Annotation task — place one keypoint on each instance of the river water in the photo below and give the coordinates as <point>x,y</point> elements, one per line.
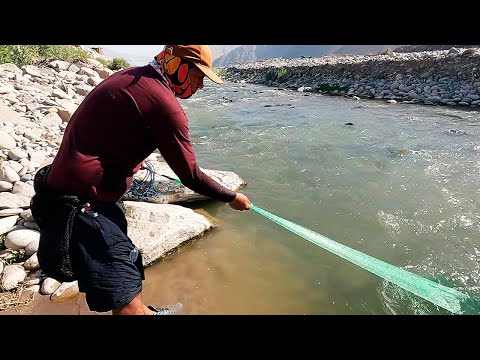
<point>401,184</point>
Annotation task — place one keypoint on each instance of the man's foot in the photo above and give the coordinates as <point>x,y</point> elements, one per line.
<point>165,310</point>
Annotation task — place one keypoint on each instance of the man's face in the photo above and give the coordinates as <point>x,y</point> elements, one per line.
<point>196,79</point>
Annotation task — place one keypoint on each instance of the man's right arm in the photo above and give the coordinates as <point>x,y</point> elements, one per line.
<point>171,134</point>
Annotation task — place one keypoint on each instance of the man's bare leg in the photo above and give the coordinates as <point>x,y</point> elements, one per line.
<point>134,307</point>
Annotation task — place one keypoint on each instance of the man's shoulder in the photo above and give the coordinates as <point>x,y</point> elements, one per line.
<point>135,74</point>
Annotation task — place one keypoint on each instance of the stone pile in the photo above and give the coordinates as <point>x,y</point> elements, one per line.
<point>442,77</point>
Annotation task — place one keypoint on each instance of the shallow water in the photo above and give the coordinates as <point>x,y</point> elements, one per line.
<point>400,184</point>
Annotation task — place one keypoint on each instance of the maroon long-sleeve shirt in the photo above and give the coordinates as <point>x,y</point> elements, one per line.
<point>119,123</point>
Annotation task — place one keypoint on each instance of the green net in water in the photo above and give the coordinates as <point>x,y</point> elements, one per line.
<point>445,297</point>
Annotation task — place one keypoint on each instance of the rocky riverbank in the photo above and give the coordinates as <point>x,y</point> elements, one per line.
<point>444,77</point>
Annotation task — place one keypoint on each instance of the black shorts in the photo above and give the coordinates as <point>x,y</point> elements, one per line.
<point>105,261</point>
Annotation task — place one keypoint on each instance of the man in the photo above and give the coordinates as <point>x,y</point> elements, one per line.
<point>77,202</point>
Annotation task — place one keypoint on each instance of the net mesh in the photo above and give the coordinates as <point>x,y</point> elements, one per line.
<point>440,295</point>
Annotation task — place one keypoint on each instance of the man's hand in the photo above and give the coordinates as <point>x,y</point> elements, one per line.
<point>240,202</point>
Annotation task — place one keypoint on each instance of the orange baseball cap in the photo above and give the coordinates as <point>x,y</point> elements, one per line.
<point>200,55</point>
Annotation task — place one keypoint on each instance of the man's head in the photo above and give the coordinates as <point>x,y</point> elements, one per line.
<point>185,67</point>
<point>200,55</point>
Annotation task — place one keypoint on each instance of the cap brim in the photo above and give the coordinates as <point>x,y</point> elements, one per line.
<point>209,73</point>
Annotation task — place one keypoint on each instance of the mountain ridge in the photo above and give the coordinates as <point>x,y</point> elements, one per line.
<point>247,53</point>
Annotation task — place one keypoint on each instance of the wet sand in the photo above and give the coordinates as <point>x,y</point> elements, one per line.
<point>42,305</point>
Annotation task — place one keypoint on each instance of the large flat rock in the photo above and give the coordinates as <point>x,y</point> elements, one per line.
<point>157,229</point>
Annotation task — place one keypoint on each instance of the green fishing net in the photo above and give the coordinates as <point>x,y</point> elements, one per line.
<point>440,295</point>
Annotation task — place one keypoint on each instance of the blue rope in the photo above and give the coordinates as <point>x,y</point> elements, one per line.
<point>147,189</point>
<point>143,187</point>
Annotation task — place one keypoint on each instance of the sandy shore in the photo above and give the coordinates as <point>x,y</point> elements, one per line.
<point>41,305</point>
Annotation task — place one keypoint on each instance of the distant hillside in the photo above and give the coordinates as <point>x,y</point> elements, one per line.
<point>220,50</point>
<point>363,49</point>
<point>418,48</point>
<point>247,53</point>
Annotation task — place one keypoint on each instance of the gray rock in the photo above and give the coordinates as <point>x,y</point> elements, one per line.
<point>7,141</point>
<point>7,114</point>
<point>66,291</point>
<point>7,223</point>
<point>158,228</point>
<point>49,285</point>
<point>9,200</point>
<point>19,239</point>
<point>11,276</point>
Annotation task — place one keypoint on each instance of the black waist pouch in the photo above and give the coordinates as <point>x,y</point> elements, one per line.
<point>55,215</point>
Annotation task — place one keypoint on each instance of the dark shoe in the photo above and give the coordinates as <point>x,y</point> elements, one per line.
<point>165,310</point>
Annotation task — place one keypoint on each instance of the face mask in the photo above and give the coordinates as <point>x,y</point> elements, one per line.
<point>176,71</point>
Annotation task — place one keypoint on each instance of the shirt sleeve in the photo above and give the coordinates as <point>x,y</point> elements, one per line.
<point>171,135</point>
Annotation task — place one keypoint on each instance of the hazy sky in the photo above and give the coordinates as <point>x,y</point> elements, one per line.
<point>145,50</point>
<point>135,54</point>
<point>143,54</point>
